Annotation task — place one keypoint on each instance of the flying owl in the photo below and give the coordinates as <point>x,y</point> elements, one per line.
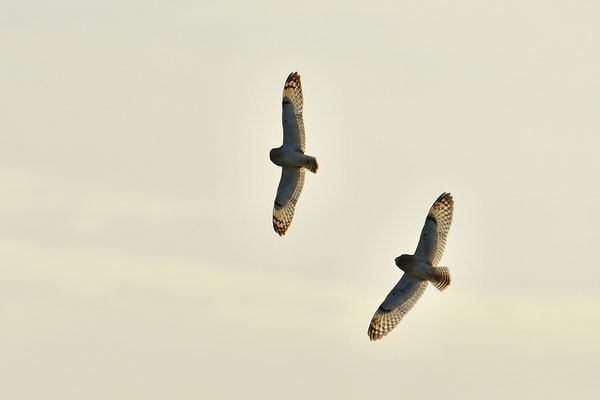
<point>290,156</point>
<point>418,269</point>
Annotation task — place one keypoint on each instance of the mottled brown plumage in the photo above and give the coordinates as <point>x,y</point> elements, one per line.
<point>290,156</point>
<point>420,268</point>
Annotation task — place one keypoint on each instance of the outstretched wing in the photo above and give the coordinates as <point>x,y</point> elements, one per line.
<point>293,124</point>
<point>288,192</point>
<point>433,236</point>
<point>395,306</point>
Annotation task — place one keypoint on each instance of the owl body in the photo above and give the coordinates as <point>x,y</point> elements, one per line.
<point>417,267</point>
<point>288,156</point>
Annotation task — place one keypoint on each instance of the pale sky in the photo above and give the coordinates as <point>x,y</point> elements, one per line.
<point>138,256</point>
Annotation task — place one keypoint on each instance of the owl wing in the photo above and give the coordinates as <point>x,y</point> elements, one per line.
<point>292,104</point>
<point>437,224</point>
<point>395,306</point>
<point>288,192</point>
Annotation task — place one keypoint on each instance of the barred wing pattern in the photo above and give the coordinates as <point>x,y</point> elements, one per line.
<point>401,299</point>
<point>292,104</point>
<point>288,192</point>
<point>433,236</point>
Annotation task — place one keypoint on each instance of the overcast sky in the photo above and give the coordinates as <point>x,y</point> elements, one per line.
<point>138,259</point>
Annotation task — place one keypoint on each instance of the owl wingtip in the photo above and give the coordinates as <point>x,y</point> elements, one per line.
<point>293,76</point>
<point>278,227</point>
<point>445,195</point>
<point>374,335</point>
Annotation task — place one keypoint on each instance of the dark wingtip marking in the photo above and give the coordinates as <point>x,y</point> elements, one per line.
<point>374,334</point>
<point>446,196</point>
<point>292,79</point>
<point>431,218</point>
<point>279,226</point>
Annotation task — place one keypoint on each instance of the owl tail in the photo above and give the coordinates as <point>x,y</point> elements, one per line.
<point>313,165</point>
<point>442,278</point>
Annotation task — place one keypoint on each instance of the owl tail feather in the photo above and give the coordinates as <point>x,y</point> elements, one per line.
<point>443,278</point>
<point>313,165</point>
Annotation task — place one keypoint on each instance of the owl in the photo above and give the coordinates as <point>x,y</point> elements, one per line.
<point>420,268</point>
<point>290,156</point>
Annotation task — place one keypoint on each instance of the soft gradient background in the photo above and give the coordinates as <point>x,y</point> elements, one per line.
<point>138,259</point>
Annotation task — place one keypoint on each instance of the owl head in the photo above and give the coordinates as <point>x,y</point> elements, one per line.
<point>276,155</point>
<point>402,261</point>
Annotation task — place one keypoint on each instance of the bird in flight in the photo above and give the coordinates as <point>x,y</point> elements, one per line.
<point>420,268</point>
<point>290,156</point>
